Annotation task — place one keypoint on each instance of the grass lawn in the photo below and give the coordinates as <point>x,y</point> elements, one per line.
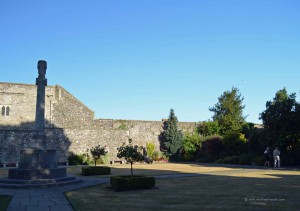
<point>4,201</point>
<point>216,187</point>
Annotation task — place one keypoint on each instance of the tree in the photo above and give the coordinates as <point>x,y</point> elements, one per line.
<point>228,112</point>
<point>209,128</point>
<point>281,121</point>
<point>130,153</point>
<point>97,152</point>
<point>172,137</point>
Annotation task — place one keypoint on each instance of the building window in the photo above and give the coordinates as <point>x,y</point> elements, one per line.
<point>5,111</point>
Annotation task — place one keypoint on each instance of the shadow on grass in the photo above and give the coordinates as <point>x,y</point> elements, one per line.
<point>206,187</point>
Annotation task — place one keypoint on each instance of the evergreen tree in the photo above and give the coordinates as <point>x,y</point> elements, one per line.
<point>172,137</point>
<point>228,112</point>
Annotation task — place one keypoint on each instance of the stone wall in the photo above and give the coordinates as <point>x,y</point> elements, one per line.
<point>21,100</point>
<point>80,141</point>
<point>70,125</point>
<point>69,112</point>
<point>13,140</point>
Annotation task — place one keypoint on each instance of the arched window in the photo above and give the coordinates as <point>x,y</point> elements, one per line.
<point>3,110</point>
<point>7,110</point>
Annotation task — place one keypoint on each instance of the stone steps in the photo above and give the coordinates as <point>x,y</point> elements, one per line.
<point>38,183</point>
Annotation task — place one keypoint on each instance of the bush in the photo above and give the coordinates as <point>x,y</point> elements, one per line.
<point>208,128</point>
<point>235,143</point>
<point>150,149</point>
<point>228,160</point>
<point>74,159</point>
<point>213,148</point>
<point>131,182</point>
<point>95,170</point>
<point>191,142</point>
<point>245,159</point>
<point>259,161</point>
<point>156,156</point>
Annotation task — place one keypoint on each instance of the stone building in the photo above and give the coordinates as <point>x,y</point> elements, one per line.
<point>70,126</point>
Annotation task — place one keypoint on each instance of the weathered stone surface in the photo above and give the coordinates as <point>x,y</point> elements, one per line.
<point>69,126</point>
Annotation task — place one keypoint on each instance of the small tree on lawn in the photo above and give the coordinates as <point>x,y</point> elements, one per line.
<point>130,153</point>
<point>97,152</point>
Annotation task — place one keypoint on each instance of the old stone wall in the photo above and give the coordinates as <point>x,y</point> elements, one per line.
<point>20,99</point>
<point>62,110</point>
<point>70,125</point>
<point>13,140</point>
<point>69,112</point>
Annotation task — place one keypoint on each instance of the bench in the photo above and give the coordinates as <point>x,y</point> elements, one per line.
<point>5,165</point>
<point>117,161</point>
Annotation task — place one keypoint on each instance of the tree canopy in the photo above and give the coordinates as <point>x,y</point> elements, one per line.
<point>130,153</point>
<point>97,152</point>
<point>228,112</point>
<point>281,118</point>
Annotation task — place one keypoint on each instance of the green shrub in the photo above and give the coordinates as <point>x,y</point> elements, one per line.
<point>131,182</point>
<point>150,148</point>
<point>95,170</point>
<point>245,159</point>
<point>235,143</point>
<point>156,156</point>
<point>259,161</point>
<point>213,148</point>
<point>104,159</point>
<point>231,160</point>
<point>191,142</point>
<point>74,159</point>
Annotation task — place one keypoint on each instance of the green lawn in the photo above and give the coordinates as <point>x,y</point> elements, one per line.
<point>214,188</point>
<point>4,201</point>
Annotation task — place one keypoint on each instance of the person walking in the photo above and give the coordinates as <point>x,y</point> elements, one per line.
<point>267,156</point>
<point>276,154</point>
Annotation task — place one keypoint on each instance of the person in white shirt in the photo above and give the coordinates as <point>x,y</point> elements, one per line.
<point>276,154</point>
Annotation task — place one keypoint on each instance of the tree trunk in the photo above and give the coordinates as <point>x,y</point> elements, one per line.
<point>131,169</point>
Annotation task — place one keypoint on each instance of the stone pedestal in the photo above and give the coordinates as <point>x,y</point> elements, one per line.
<point>37,164</point>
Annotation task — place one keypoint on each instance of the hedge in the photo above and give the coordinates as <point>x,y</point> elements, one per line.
<point>131,182</point>
<point>95,170</point>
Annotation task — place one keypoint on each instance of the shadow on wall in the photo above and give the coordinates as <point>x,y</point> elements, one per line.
<point>14,138</point>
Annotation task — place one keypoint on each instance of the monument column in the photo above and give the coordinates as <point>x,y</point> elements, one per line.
<point>38,164</point>
<point>41,82</point>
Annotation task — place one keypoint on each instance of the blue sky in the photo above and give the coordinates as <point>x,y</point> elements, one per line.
<point>133,59</point>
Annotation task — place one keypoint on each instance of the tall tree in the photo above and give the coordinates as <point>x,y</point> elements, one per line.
<point>281,119</point>
<point>172,137</point>
<point>228,112</point>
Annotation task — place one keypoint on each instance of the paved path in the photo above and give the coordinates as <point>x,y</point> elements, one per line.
<point>45,199</point>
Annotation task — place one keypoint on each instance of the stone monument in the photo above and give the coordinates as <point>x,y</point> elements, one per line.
<point>38,165</point>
